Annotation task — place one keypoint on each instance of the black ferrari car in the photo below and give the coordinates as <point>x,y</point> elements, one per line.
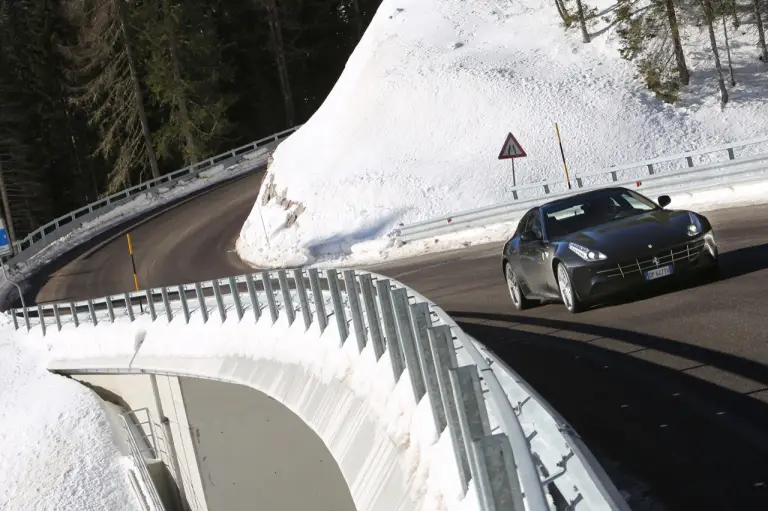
<point>585,248</point>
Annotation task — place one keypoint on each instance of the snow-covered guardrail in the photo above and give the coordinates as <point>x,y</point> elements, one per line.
<point>63,225</point>
<point>508,449</point>
<point>686,173</point>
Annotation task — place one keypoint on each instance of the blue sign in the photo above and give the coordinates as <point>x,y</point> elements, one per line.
<point>5,244</point>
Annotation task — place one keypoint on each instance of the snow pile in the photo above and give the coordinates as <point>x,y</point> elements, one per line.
<point>56,439</point>
<point>415,123</point>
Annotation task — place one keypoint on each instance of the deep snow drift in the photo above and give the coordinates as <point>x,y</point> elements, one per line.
<point>415,123</point>
<point>56,445</point>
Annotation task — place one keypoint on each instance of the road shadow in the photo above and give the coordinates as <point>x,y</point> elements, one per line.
<point>694,444</point>
<point>340,244</point>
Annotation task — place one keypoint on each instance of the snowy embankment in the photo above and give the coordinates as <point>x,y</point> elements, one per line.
<point>414,125</point>
<point>57,445</point>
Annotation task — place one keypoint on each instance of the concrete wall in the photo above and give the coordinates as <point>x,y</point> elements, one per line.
<point>133,392</point>
<point>372,465</point>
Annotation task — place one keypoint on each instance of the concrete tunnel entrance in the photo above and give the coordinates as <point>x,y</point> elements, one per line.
<point>255,453</point>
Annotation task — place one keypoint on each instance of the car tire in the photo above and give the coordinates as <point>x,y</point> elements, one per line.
<point>515,289</point>
<point>567,295</point>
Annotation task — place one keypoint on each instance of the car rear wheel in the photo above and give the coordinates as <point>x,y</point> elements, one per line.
<point>515,289</point>
<point>570,300</point>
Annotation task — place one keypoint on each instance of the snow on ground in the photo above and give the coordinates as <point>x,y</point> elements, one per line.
<point>415,123</point>
<point>56,443</point>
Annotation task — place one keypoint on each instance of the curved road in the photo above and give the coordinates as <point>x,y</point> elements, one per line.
<point>669,390</point>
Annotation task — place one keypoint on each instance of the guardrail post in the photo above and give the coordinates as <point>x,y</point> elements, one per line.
<point>614,176</point>
<point>498,487</point>
<point>92,312</point>
<point>201,301</point>
<point>166,304</point>
<point>254,297</point>
<point>219,300</point>
<point>233,291</point>
<point>41,317</point>
<point>129,307</point>
<point>151,305</point>
<point>546,189</point>
<point>350,283</point>
<point>689,160</point>
<point>266,279</point>
<point>441,344</point>
<point>372,313</point>
<point>338,306</point>
<point>421,321</point>
<point>473,415</point>
<point>579,183</point>
<point>286,292</point>
<point>110,309</point>
<point>73,310</point>
<point>731,156</point>
<point>301,290</point>
<point>57,316</point>
<point>26,318</point>
<point>650,169</point>
<point>317,297</point>
<point>405,329</point>
<point>390,331</point>
<point>184,304</point>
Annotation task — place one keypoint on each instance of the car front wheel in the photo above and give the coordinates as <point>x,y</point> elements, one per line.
<point>567,294</point>
<point>515,289</point>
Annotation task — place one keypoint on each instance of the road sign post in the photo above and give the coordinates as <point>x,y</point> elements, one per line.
<point>562,155</point>
<point>511,150</point>
<point>6,249</point>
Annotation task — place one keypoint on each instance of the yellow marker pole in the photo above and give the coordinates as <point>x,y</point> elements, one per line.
<point>562,155</point>
<point>133,264</point>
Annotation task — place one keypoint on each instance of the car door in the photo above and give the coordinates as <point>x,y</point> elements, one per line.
<point>533,257</point>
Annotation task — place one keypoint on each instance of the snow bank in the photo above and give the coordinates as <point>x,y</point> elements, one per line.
<point>56,441</point>
<point>415,123</point>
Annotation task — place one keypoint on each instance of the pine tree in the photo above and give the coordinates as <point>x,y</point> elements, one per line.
<point>184,73</point>
<point>709,19</point>
<point>105,60</point>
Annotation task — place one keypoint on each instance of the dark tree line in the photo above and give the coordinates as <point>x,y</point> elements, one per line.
<point>98,95</point>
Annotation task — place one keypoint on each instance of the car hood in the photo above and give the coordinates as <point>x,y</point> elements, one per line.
<point>636,235</point>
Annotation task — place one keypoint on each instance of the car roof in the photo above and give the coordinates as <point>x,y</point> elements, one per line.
<point>583,196</point>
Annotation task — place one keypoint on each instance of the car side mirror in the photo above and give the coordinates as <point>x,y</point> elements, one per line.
<point>664,201</point>
<point>529,236</point>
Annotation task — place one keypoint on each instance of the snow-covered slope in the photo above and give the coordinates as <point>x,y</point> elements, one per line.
<point>56,444</point>
<point>416,121</point>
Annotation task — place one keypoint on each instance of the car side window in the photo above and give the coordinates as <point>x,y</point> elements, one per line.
<point>523,224</point>
<point>534,224</point>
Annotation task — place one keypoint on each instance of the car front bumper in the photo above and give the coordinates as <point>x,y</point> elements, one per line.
<point>594,282</point>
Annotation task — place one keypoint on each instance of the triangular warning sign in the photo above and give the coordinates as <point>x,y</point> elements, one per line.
<point>512,149</point>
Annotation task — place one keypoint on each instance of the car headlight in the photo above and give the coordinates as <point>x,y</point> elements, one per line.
<point>694,228</point>
<point>585,253</point>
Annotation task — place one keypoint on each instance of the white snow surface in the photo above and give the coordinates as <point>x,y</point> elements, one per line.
<point>414,125</point>
<point>58,451</point>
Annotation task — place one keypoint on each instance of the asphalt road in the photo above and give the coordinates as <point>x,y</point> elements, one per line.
<point>670,389</point>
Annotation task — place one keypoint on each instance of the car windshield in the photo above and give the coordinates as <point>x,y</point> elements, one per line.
<point>587,211</point>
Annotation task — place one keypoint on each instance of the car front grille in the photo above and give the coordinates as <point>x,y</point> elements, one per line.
<point>679,253</point>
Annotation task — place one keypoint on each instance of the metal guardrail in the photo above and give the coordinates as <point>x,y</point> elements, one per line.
<point>686,172</point>
<point>144,486</point>
<point>421,342</point>
<point>65,224</point>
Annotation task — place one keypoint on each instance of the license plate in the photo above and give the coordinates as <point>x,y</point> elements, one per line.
<point>658,272</point>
